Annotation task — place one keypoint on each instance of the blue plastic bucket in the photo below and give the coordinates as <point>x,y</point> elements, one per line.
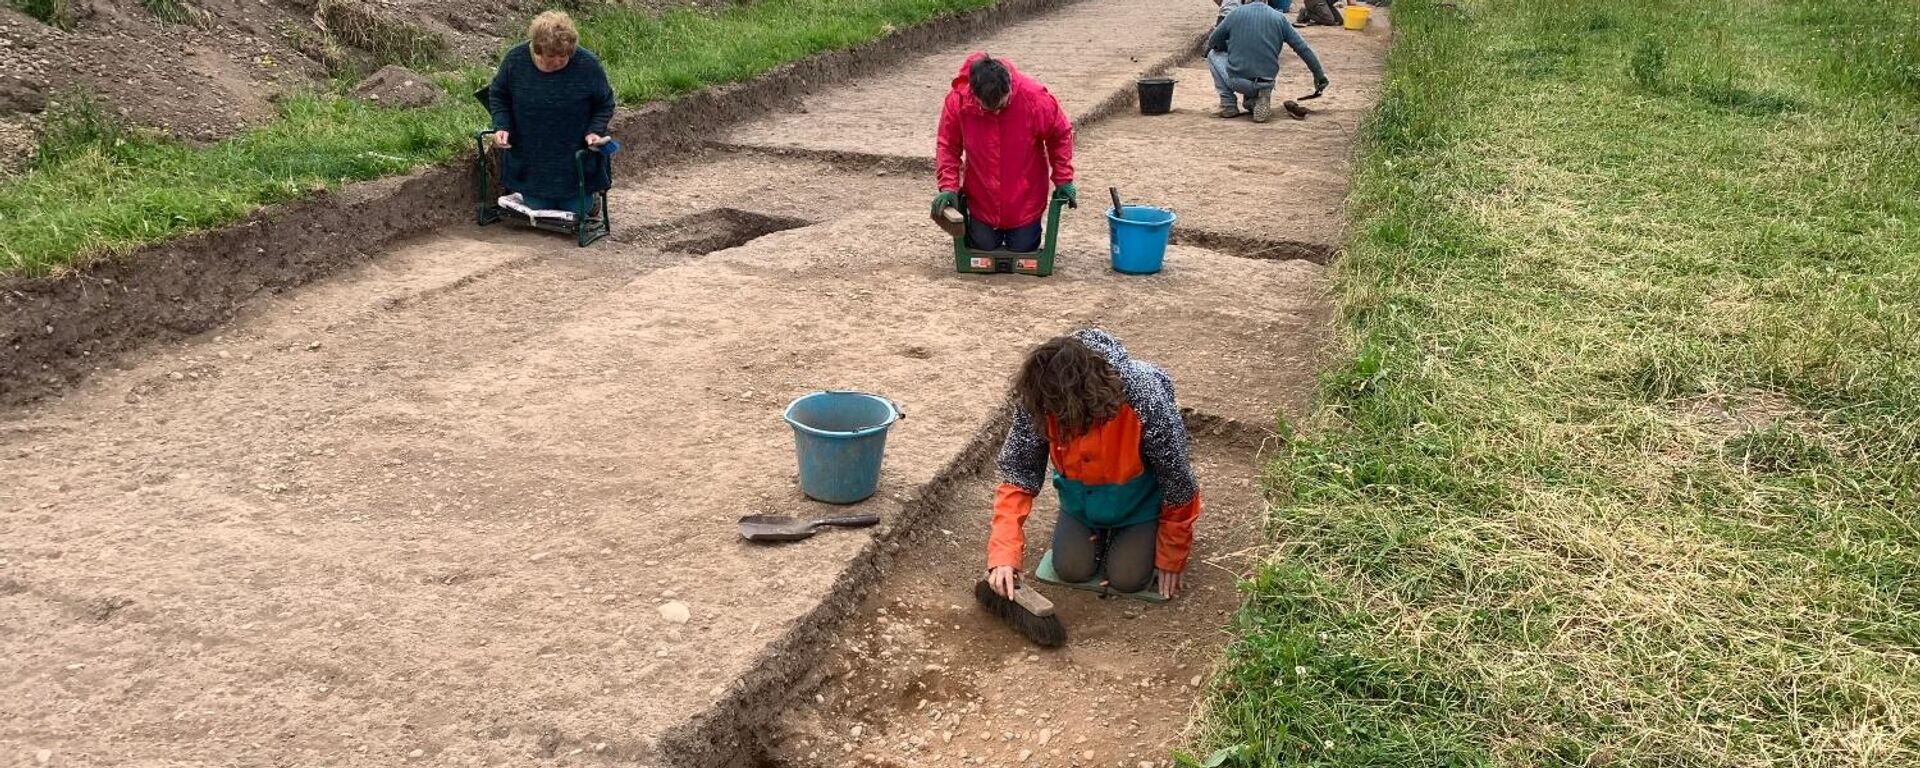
<point>840,438</point>
<point>1139,238</point>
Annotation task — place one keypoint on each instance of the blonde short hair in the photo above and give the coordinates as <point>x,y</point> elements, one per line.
<point>552,34</point>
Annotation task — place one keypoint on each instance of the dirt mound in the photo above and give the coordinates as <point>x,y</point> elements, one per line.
<point>397,86</point>
<point>22,98</point>
<point>202,69</point>
<point>19,95</point>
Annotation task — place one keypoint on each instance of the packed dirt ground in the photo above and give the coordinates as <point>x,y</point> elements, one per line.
<point>473,504</point>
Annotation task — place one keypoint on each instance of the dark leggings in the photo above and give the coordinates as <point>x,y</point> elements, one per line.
<point>1079,551</point>
<point>1017,240</point>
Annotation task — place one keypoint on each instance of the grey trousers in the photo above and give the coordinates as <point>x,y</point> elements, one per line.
<point>1127,553</point>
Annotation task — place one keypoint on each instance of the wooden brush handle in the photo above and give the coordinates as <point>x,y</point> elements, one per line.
<point>1035,603</point>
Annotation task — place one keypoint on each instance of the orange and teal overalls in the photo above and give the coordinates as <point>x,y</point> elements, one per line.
<point>1126,471</point>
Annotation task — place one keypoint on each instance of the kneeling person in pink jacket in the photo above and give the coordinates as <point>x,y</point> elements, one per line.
<point>1003,143</point>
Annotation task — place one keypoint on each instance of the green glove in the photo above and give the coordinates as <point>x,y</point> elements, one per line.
<point>947,198</point>
<point>1320,84</point>
<point>1067,193</point>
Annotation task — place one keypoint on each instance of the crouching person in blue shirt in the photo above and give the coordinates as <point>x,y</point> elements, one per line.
<point>1244,54</point>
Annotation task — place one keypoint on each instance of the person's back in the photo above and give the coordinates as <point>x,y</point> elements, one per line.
<point>1254,33</point>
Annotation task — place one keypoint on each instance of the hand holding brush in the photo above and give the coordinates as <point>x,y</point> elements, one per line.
<point>1027,611</point>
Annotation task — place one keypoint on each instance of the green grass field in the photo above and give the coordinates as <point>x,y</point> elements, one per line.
<point>97,188</point>
<point>1622,464</point>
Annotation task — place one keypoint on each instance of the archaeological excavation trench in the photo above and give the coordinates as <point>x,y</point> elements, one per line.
<point>919,678</point>
<point>426,510</point>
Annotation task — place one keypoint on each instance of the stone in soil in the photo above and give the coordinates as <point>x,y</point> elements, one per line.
<point>397,86</point>
<point>20,95</point>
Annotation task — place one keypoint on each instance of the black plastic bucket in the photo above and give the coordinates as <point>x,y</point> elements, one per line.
<point>1156,95</point>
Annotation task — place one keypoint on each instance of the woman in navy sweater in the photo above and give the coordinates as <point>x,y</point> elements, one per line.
<point>549,99</point>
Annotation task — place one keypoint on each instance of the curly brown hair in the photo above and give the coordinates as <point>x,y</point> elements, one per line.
<point>1075,385</point>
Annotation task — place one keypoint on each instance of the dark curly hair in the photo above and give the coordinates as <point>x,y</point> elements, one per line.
<point>1075,385</point>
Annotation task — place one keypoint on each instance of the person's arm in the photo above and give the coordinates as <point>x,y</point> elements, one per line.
<point>602,101</point>
<point>947,145</point>
<point>1292,38</point>
<point>500,97</point>
<point>1023,469</point>
<point>1164,450</point>
<point>1218,40</point>
<point>1058,136</point>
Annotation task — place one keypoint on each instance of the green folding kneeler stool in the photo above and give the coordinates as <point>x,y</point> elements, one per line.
<point>586,227</point>
<point>1047,574</point>
<point>1037,263</point>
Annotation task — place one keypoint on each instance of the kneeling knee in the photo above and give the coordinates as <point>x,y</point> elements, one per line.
<point>1122,579</point>
<point>1076,569</point>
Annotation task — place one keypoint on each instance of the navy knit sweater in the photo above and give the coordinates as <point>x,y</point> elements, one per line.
<point>547,116</point>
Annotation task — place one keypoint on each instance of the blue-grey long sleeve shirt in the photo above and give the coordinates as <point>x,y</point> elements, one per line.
<point>1252,35</point>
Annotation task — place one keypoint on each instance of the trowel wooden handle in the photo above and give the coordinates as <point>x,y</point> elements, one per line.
<point>952,214</point>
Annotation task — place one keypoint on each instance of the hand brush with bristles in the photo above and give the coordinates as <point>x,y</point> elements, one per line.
<point>1029,613</point>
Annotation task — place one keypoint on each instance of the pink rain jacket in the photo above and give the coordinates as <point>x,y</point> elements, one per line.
<point>1010,156</point>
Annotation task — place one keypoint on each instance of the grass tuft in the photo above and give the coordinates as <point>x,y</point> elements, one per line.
<point>1621,464</point>
<point>1649,64</point>
<point>53,13</point>
<point>388,40</point>
<point>169,11</point>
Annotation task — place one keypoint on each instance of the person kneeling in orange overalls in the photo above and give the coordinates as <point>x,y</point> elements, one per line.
<point>1110,428</point>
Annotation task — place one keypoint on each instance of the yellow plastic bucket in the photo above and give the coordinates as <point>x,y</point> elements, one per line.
<point>1355,16</point>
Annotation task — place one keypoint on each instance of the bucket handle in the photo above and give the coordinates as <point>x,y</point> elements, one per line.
<point>897,412</point>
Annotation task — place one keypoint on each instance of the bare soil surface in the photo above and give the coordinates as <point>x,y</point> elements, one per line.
<point>1085,55</point>
<point>1301,167</point>
<point>927,678</point>
<point>446,509</point>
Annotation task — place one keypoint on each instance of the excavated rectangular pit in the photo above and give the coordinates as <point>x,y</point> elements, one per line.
<point>716,229</point>
<point>923,677</point>
<point>1254,247</point>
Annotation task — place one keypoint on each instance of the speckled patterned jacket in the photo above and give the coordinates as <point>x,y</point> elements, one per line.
<point>1130,469</point>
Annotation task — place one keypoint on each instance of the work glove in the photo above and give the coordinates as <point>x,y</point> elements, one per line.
<point>1319,86</point>
<point>1069,194</point>
<point>946,198</point>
